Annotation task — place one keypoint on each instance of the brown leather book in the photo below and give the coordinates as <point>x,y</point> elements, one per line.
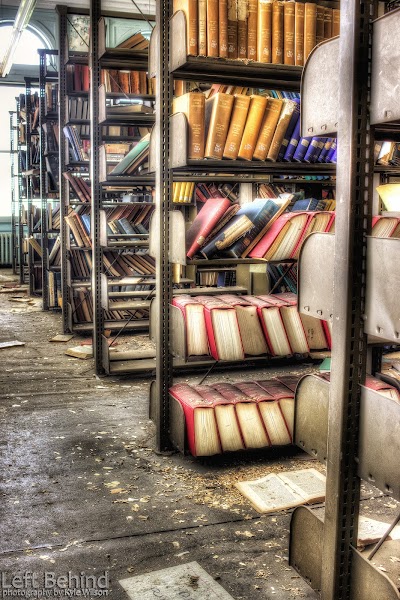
<point>179,88</point>
<point>193,106</point>
<point>142,82</point>
<point>252,127</point>
<point>114,80</point>
<point>218,112</point>
<point>320,28</point>
<point>310,28</point>
<point>242,28</point>
<point>124,81</point>
<point>288,32</point>
<point>202,28</point>
<point>281,127</point>
<point>299,34</point>
<point>232,29</point>
<point>135,82</point>
<point>268,126</point>
<point>252,30</point>
<point>335,22</point>
<point>277,32</point>
<point>190,8</point>
<point>212,28</point>
<point>236,128</point>
<point>223,28</point>
<point>264,31</point>
<point>327,23</point>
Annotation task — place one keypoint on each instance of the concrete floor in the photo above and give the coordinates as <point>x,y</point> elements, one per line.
<point>83,490</point>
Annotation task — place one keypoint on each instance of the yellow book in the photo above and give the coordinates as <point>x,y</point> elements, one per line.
<point>177,190</point>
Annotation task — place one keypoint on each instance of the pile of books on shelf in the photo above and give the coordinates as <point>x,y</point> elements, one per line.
<point>79,149</point>
<point>387,154</point>
<point>249,127</point>
<point>230,327</point>
<point>226,417</point>
<point>51,98</point>
<point>82,307</point>
<point>268,31</point>
<point>116,264</point>
<point>257,229</point>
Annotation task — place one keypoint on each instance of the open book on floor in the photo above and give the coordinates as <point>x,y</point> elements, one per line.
<point>280,491</point>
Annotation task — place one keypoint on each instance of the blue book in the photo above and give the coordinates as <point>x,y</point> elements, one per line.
<point>301,149</point>
<point>314,149</point>
<point>305,204</point>
<point>241,229</point>
<point>289,131</point>
<point>293,143</point>
<point>331,152</point>
<point>86,222</point>
<point>327,146</point>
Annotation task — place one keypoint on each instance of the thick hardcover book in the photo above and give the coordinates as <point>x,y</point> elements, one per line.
<point>192,105</point>
<point>324,152</point>
<point>218,111</point>
<point>242,28</point>
<point>201,426</point>
<point>196,332</point>
<point>266,211</point>
<point>327,23</point>
<point>299,34</point>
<point>335,22</point>
<point>252,128</point>
<point>268,127</point>
<point>277,32</point>
<point>233,28</point>
<point>293,143</point>
<point>289,107</point>
<point>310,28</point>
<point>320,25</point>
<point>133,158</point>
<point>223,28</point>
<point>279,430</point>
<point>253,340</point>
<point>190,8</point>
<point>315,332</point>
<point>222,329</point>
<point>236,128</point>
<point>281,240</point>
<point>314,149</point>
<point>272,324</point>
<point>252,30</point>
<point>208,216</point>
<point>293,324</point>
<point>301,149</point>
<point>212,28</point>
<point>237,227</point>
<point>202,28</point>
<point>264,31</point>
<point>289,131</point>
<point>288,32</point>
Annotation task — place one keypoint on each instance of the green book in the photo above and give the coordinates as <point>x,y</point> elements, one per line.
<point>132,156</point>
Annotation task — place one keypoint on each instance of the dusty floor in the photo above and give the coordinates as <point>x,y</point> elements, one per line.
<point>83,490</point>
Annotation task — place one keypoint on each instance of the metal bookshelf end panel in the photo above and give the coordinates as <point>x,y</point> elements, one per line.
<point>315,276</point>
<point>305,546</point>
<point>312,398</point>
<point>320,91</point>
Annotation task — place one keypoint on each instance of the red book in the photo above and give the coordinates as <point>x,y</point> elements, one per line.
<point>222,329</point>
<point>207,218</point>
<point>268,308</point>
<point>85,78</point>
<point>383,226</point>
<point>327,325</point>
<point>293,323</point>
<point>289,381</point>
<point>253,391</point>
<point>196,331</point>
<point>289,226</point>
<point>78,78</point>
<point>201,427</point>
<point>278,415</point>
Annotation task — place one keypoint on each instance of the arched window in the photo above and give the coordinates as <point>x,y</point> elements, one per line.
<point>30,41</point>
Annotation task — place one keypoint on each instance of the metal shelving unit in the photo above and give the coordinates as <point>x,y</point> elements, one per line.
<point>20,226</point>
<point>14,191</point>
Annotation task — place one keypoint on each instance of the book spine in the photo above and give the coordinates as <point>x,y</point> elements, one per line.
<point>331,152</point>
<point>252,30</point>
<point>232,29</point>
<point>281,128</point>
<point>288,32</point>
<point>293,143</point>
<point>301,149</point>
<point>236,127</point>
<point>299,34</point>
<point>320,25</point>
<point>264,31</point>
<point>252,128</point>
<point>242,28</point>
<point>212,28</point>
<point>314,149</point>
<point>335,22</point>
<point>268,126</point>
<point>277,32</point>
<point>192,26</point>
<point>202,28</point>
<point>223,28</point>
<point>325,150</point>
<point>310,28</point>
<point>327,23</point>
<point>289,132</point>
<point>261,220</point>
<point>219,124</point>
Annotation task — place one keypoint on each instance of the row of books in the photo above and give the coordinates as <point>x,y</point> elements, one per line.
<point>33,115</point>
<point>268,31</point>
<point>257,229</point>
<point>226,417</point>
<point>118,81</point>
<point>51,97</point>
<point>51,136</point>
<point>230,327</point>
<point>79,149</point>
<point>115,264</point>
<point>82,309</point>
<point>249,128</point>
